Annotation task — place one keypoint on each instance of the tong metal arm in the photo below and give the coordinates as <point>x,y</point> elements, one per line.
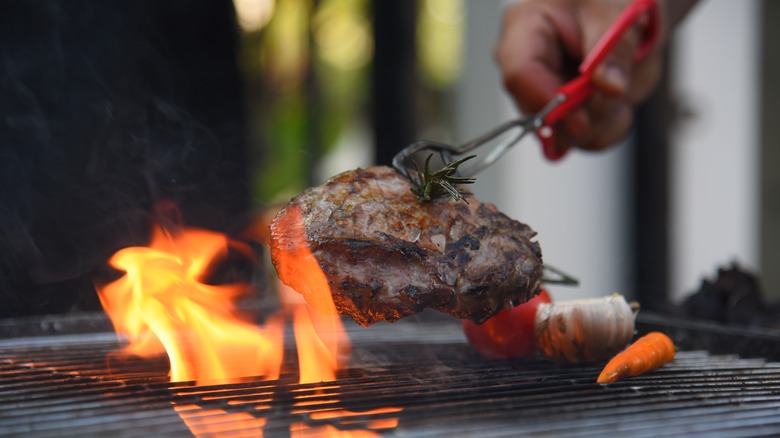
<point>404,161</point>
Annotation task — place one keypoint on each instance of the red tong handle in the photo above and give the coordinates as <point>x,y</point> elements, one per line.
<point>579,89</point>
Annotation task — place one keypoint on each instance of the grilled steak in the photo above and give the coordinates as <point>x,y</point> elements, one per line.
<point>386,254</point>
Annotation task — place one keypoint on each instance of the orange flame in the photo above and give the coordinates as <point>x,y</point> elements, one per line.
<point>319,333</point>
<point>216,422</point>
<point>162,305</point>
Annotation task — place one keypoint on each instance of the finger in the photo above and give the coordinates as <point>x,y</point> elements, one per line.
<point>611,118</point>
<point>573,130</point>
<point>536,41</point>
<point>644,77</point>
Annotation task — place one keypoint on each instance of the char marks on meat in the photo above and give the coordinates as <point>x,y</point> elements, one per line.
<point>386,254</point>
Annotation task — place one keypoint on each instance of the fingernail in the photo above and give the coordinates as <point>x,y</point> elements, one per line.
<point>615,78</point>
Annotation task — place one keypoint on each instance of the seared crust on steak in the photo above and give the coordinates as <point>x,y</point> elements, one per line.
<point>386,254</point>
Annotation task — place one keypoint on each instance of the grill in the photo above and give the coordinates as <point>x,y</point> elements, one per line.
<point>413,378</point>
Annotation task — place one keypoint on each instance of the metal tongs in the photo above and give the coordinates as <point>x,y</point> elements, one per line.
<point>568,97</point>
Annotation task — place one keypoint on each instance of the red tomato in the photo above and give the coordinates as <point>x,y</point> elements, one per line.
<point>509,334</point>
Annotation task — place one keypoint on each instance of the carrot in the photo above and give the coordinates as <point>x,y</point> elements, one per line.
<point>646,354</point>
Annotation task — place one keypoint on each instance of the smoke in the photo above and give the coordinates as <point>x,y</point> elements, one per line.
<point>105,109</point>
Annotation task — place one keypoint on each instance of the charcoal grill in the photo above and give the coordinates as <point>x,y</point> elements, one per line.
<point>65,382</point>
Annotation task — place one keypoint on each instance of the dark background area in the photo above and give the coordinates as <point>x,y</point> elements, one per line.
<point>108,108</point>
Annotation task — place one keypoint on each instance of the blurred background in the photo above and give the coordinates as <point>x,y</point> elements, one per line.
<point>347,83</point>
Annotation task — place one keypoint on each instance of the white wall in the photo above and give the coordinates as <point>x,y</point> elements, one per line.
<point>715,171</point>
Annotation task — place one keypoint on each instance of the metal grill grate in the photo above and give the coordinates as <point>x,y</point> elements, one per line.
<point>433,382</point>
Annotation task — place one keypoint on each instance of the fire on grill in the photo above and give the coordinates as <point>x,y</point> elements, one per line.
<point>162,304</point>
<point>361,245</point>
<point>364,240</point>
<point>414,377</point>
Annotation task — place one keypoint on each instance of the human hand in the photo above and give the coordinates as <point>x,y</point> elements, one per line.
<point>543,42</point>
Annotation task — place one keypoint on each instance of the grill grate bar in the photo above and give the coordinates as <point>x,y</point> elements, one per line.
<point>758,421</point>
<point>699,419</point>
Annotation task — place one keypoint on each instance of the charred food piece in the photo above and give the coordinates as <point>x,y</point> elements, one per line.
<point>386,254</point>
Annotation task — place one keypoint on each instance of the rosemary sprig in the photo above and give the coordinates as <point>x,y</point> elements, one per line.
<point>429,185</point>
